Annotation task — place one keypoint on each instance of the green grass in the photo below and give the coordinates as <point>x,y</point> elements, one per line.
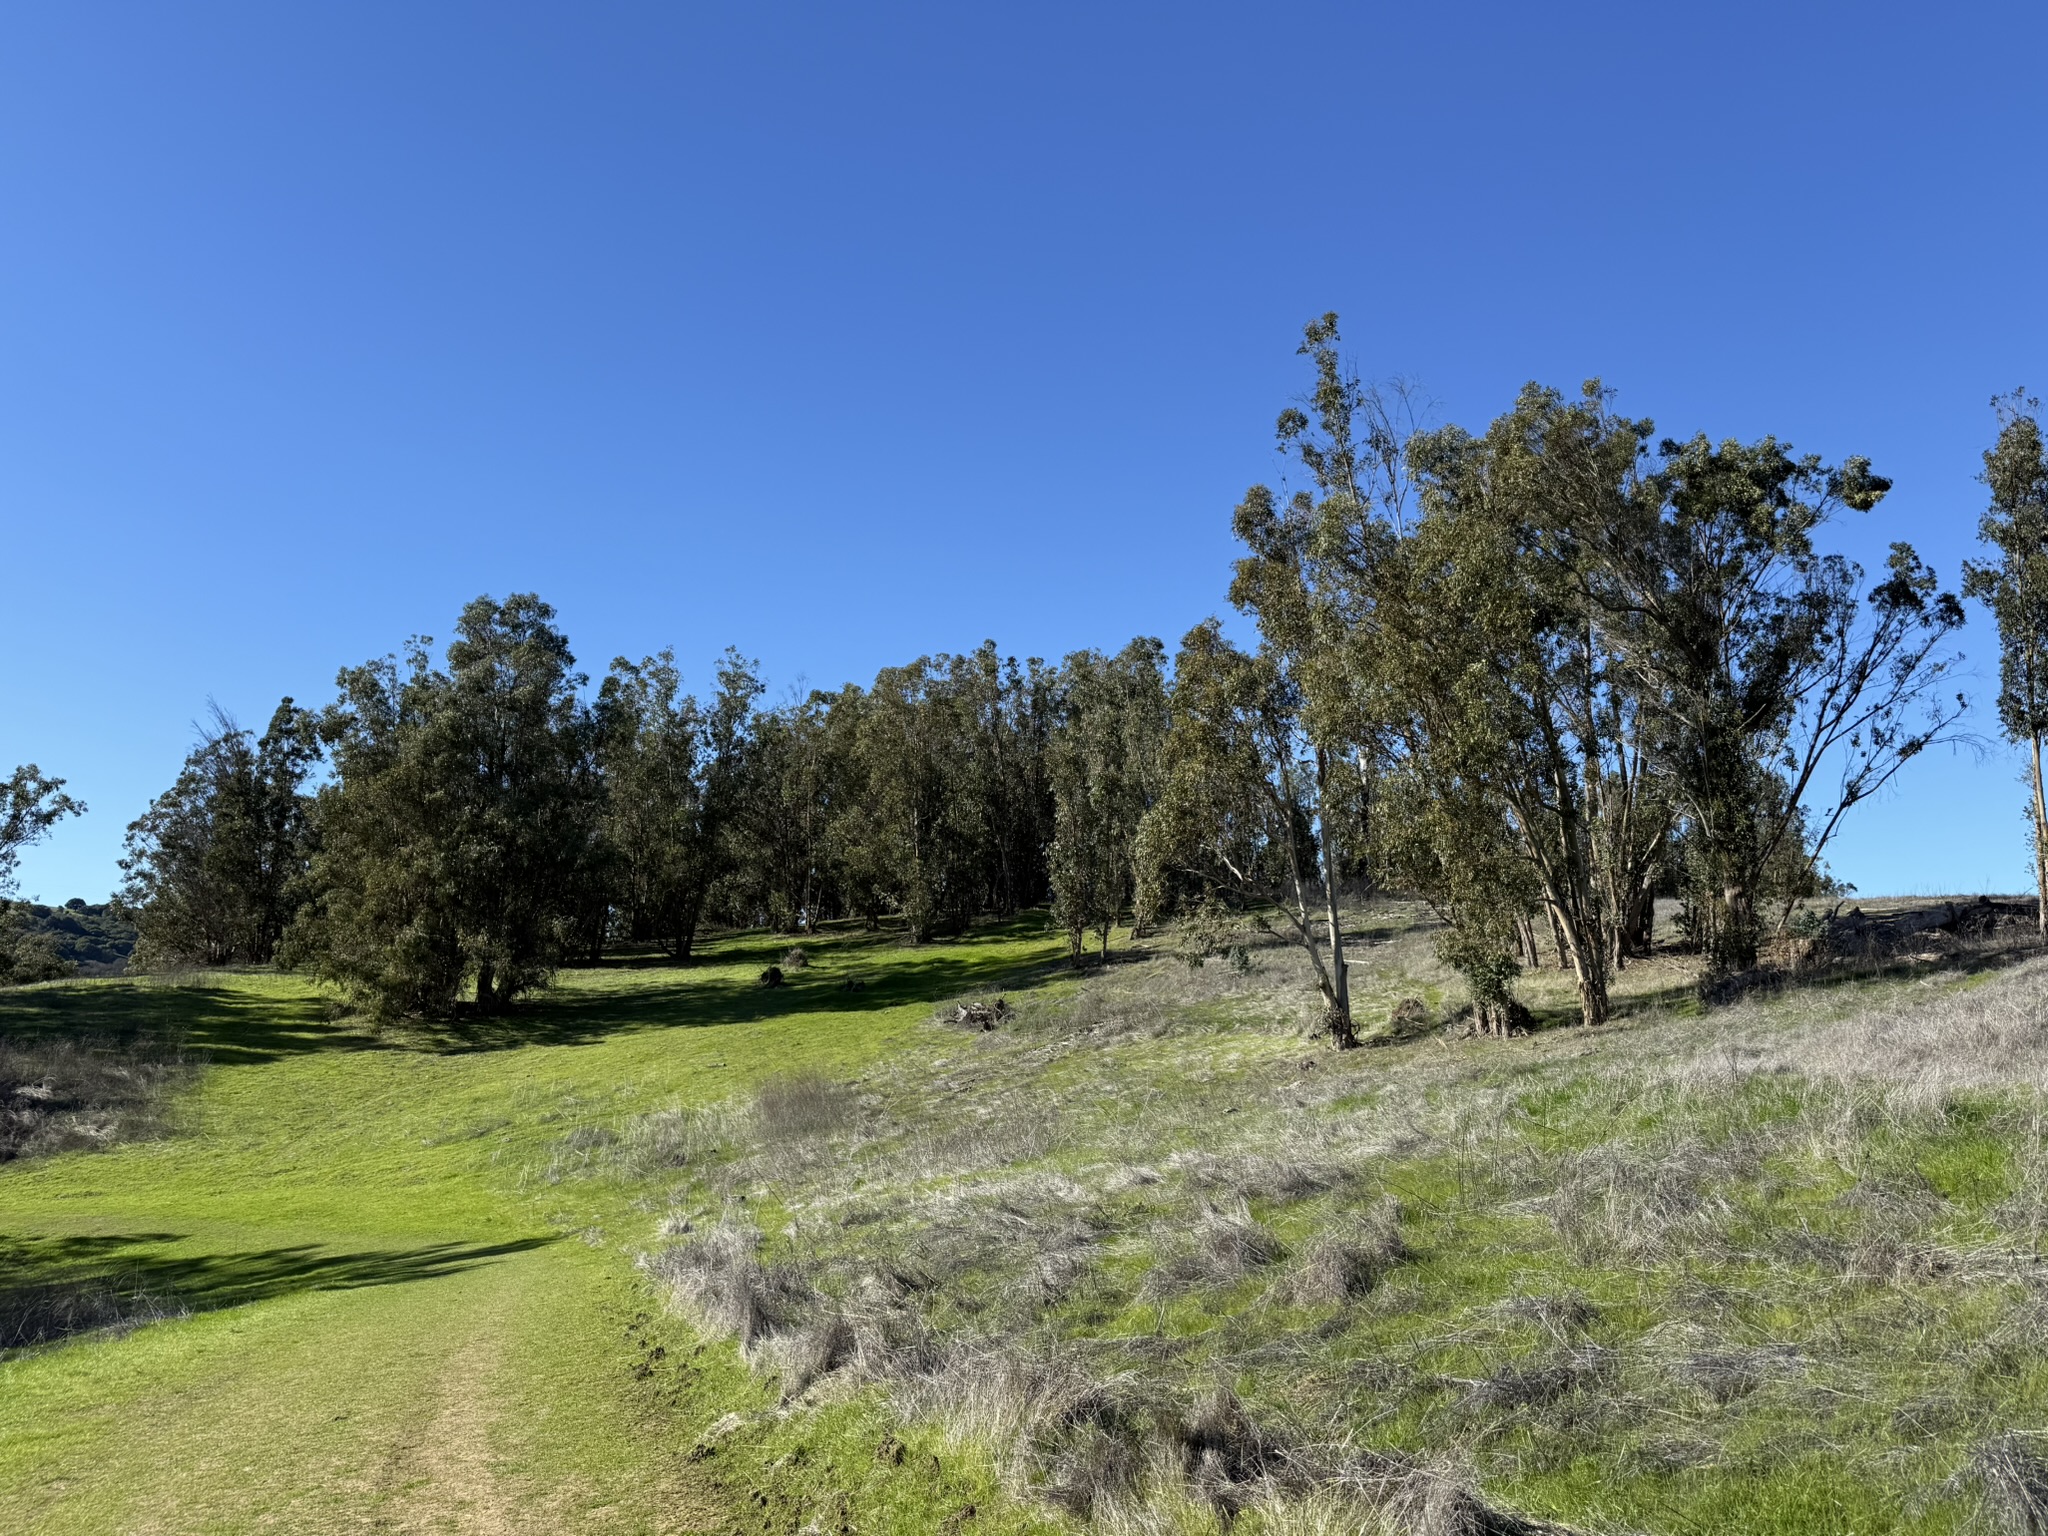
<point>384,1283</point>
<point>1641,1288</point>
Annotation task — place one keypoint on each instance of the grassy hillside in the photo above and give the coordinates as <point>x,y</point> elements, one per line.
<point>672,1251</point>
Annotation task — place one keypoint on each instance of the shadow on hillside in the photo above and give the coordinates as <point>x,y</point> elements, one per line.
<point>238,1023</point>
<point>707,994</point>
<point>213,1018</point>
<point>59,1286</point>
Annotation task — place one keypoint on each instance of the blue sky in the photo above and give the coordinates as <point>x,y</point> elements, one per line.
<point>845,334</point>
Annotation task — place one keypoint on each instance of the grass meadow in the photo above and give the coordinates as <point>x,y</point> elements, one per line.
<point>670,1250</point>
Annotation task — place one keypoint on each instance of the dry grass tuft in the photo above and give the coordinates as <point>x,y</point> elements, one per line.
<point>1724,1375</point>
<point>1223,1246</point>
<point>43,1314</point>
<point>1627,1203</point>
<point>1565,1316</point>
<point>1542,1381</point>
<point>803,1353</point>
<point>679,1138</point>
<point>1349,1259</point>
<point>2011,1482</point>
<point>1258,1176</point>
<point>803,1106</point>
<point>718,1274</point>
<point>1924,1052</point>
<point>1439,1506</point>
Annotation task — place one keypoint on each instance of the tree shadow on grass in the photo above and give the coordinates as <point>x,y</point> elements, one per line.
<point>214,1017</point>
<point>710,994</point>
<point>230,1020</point>
<point>55,1287</point>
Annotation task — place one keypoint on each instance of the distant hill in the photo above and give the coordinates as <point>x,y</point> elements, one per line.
<point>76,939</point>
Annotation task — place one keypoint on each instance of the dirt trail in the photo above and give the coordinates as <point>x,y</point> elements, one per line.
<point>497,1401</point>
<point>442,1478</point>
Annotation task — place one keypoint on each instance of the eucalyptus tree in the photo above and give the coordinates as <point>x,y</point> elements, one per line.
<point>2013,584</point>
<point>456,836</point>
<point>1005,714</point>
<point>1448,840</point>
<point>31,803</point>
<point>1497,671</point>
<point>674,775</point>
<point>1764,667</point>
<point>1103,764</point>
<point>1312,578</point>
<point>216,868</point>
<point>1239,804</point>
<point>796,784</point>
<point>912,837</point>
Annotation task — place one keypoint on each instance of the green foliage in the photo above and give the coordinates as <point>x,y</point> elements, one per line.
<point>41,943</point>
<point>1446,841</point>
<point>1764,662</point>
<point>216,867</point>
<point>2013,584</point>
<point>944,810</point>
<point>458,834</point>
<point>674,779</point>
<point>1103,761</point>
<point>1620,665</point>
<point>1210,931</point>
<point>29,952</point>
<point>31,803</point>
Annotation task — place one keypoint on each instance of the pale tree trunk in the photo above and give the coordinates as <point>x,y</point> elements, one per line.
<point>1584,949</point>
<point>2040,845</point>
<point>1340,980</point>
<point>1331,980</point>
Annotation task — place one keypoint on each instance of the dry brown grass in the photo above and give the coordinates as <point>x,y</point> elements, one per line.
<point>1933,1043</point>
<point>61,1095</point>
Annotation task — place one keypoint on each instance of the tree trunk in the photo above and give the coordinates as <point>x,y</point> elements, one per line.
<point>1557,939</point>
<point>1593,1006</point>
<point>2040,845</point>
<point>1734,928</point>
<point>486,1000</point>
<point>1341,1031</point>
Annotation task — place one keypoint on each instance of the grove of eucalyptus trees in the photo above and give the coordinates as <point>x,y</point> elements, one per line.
<point>1536,675</point>
<point>1583,666</point>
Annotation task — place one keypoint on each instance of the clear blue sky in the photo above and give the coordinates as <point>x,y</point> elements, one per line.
<point>848,333</point>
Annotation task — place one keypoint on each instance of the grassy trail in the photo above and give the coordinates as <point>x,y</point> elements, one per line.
<point>399,1321</point>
